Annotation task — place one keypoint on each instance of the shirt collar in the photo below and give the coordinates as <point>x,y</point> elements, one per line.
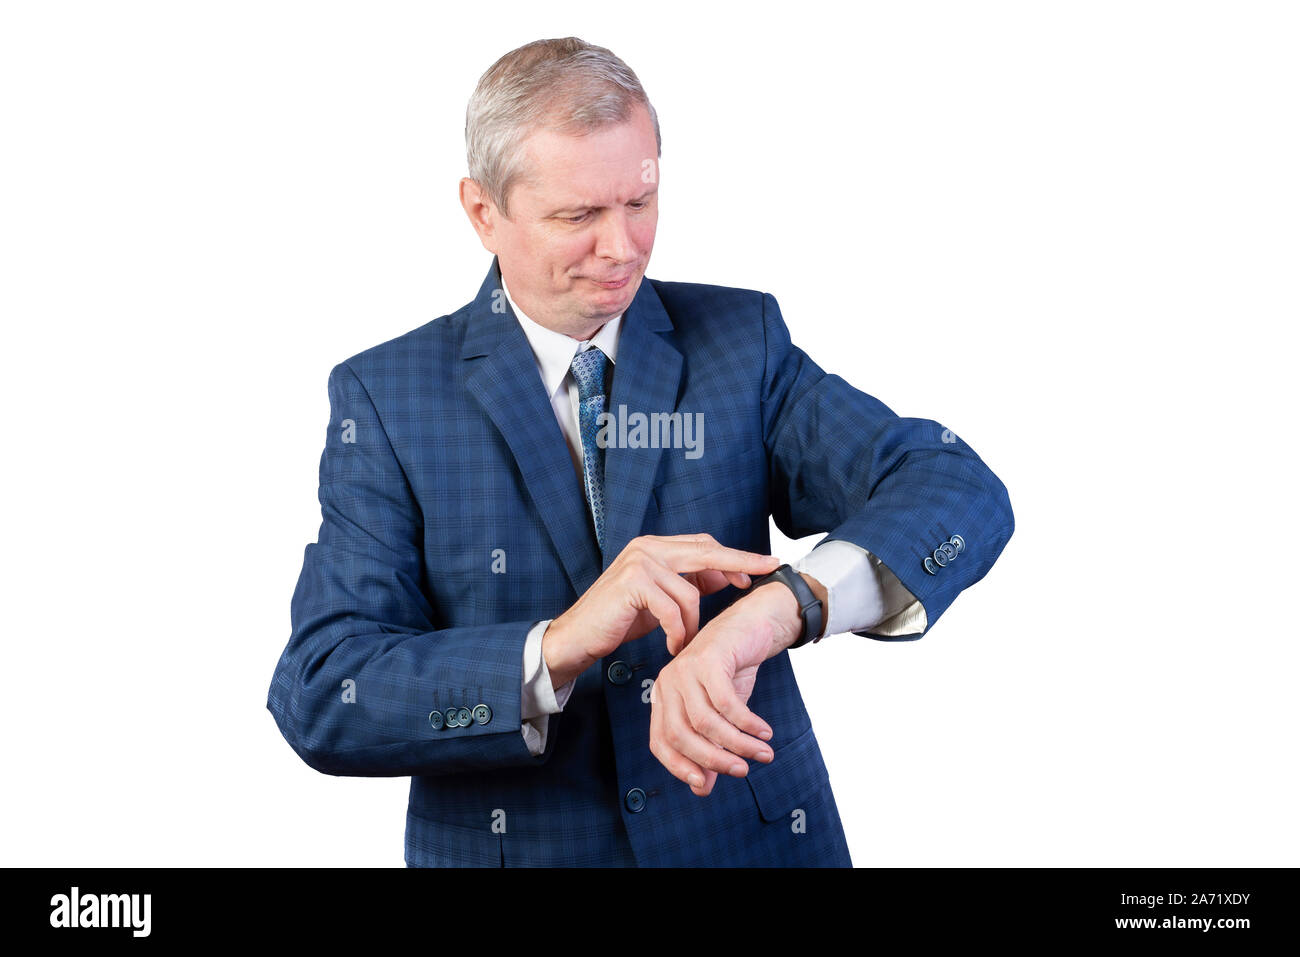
<point>554,351</point>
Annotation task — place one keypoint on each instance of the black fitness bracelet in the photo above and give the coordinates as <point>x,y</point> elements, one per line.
<point>810,606</point>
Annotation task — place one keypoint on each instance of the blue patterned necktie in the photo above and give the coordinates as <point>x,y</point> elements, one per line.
<point>589,372</point>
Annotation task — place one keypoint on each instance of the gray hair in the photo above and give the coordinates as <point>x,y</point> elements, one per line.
<point>567,85</point>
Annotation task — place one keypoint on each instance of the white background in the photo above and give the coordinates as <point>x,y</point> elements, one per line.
<point>1067,231</point>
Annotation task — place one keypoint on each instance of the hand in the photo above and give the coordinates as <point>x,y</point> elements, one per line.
<point>699,722</point>
<point>655,580</point>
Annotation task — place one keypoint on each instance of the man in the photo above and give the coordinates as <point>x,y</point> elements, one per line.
<point>559,627</point>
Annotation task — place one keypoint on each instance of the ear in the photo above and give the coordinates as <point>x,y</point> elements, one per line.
<point>482,212</point>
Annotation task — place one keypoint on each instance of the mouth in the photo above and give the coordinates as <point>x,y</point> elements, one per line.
<point>614,283</point>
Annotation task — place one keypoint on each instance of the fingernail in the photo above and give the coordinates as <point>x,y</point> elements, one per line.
<point>697,781</point>
<point>765,735</point>
<point>765,755</point>
<point>738,769</point>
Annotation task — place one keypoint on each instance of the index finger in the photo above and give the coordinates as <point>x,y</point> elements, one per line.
<point>696,553</point>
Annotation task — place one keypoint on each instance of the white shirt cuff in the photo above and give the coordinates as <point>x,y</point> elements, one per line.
<point>538,698</point>
<point>861,592</point>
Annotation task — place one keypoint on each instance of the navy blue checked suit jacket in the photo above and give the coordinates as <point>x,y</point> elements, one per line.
<point>443,460</point>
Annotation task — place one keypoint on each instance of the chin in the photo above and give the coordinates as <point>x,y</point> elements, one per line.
<point>609,308</point>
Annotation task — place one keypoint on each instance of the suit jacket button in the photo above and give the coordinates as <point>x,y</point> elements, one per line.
<point>482,713</point>
<point>930,565</point>
<point>635,800</point>
<point>959,542</point>
<point>453,718</point>
<point>940,558</point>
<point>949,549</point>
<point>463,717</point>
<point>435,719</point>
<point>619,673</point>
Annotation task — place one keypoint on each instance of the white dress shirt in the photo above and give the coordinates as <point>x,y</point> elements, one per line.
<point>861,592</point>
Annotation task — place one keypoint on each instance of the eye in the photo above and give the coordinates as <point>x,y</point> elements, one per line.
<point>577,219</point>
<point>639,204</point>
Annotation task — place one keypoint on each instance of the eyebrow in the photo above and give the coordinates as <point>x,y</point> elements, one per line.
<point>580,207</point>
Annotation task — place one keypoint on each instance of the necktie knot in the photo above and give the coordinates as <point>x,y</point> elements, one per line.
<point>589,372</point>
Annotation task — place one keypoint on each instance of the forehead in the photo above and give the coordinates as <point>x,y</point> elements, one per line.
<point>602,166</point>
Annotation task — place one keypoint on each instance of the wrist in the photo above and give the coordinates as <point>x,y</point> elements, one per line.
<point>780,606</point>
<point>784,610</point>
<point>563,663</point>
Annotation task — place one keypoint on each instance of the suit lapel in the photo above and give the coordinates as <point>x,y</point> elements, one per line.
<point>647,374</point>
<point>504,380</point>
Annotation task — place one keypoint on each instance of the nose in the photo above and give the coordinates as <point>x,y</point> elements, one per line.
<point>613,238</point>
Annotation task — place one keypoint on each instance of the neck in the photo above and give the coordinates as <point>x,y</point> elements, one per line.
<point>578,328</point>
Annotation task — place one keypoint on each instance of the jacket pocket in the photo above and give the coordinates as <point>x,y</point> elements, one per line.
<point>434,844</point>
<point>795,773</point>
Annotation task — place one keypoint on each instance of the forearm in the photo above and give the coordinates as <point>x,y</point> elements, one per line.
<point>899,488</point>
<point>356,698</point>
